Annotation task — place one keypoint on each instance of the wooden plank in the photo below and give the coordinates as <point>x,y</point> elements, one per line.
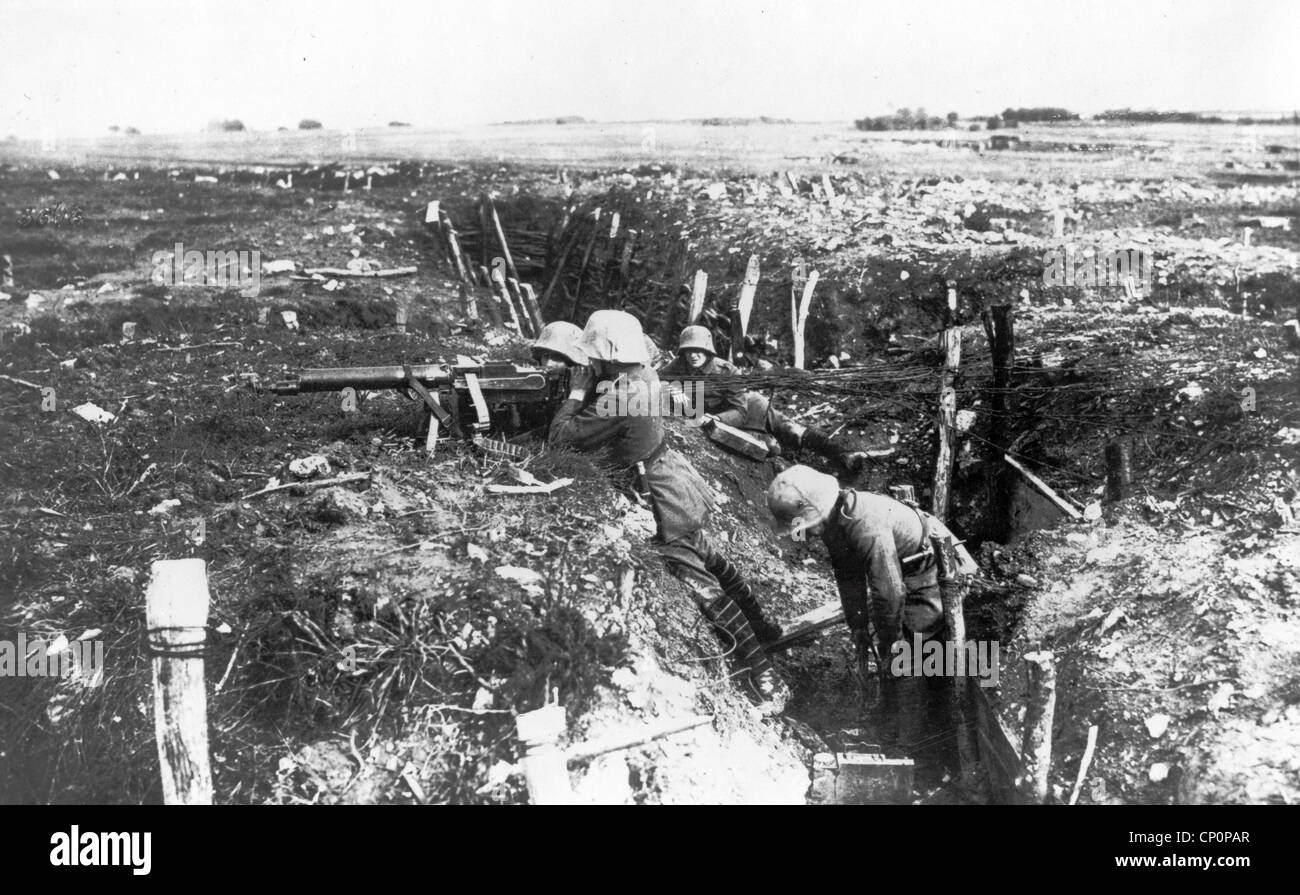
<point>1042,486</point>
<point>819,619</point>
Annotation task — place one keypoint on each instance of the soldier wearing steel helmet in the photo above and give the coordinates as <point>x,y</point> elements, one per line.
<point>679,497</point>
<point>733,405</point>
<point>887,576</point>
<point>557,345</point>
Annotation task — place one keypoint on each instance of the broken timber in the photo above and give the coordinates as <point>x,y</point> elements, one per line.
<point>1043,487</point>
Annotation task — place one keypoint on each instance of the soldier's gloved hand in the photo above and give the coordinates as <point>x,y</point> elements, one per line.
<point>708,421</point>
<point>580,383</point>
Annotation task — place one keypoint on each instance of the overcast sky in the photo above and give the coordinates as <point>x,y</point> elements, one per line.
<point>74,67</point>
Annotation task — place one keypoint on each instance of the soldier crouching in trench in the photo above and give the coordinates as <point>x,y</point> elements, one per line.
<point>868,536</point>
<point>735,406</point>
<point>681,500</point>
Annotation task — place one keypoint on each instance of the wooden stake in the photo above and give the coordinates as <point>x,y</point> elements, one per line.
<point>999,328</point>
<point>698,290</point>
<point>625,261</point>
<point>953,587</point>
<point>453,242</point>
<point>483,227</point>
<point>545,767</point>
<point>525,313</point>
<point>1040,708</point>
<point>1084,764</point>
<point>501,291</point>
<point>6,272</point>
<point>501,235</point>
<point>468,302</point>
<point>530,302</point>
<point>1119,469</point>
<point>176,615</point>
<point>744,307</point>
<point>586,257</point>
<point>950,342</point>
<point>805,303</point>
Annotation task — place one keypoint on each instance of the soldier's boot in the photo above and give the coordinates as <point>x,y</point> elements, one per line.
<point>819,442</point>
<point>726,616</point>
<point>736,587</point>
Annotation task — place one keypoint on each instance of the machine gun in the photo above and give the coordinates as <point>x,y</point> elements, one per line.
<point>470,400</point>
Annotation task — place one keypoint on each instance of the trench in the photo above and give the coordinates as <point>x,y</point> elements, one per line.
<point>621,250</point>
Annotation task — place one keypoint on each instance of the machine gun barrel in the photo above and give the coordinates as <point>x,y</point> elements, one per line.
<point>333,379</point>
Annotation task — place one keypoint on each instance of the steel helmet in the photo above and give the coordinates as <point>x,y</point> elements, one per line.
<point>696,338</point>
<point>562,337</point>
<point>796,490</point>
<point>614,336</point>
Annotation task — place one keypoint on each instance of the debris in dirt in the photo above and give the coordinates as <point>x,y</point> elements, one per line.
<point>280,266</point>
<point>123,573</point>
<point>475,552</point>
<point>307,467</point>
<point>349,272</point>
<point>1114,618</point>
<point>274,484</point>
<point>1288,436</point>
<point>538,488</point>
<point>92,413</point>
<point>1157,725</point>
<point>335,505</point>
<point>1222,698</point>
<point>1159,772</point>
<point>164,507</point>
<point>290,319</point>
<point>524,577</point>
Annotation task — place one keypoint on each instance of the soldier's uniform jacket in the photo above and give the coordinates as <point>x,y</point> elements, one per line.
<point>731,404</point>
<point>867,537</point>
<point>682,500</point>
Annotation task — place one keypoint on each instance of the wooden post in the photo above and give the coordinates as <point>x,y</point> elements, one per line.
<point>6,272</point>
<point>999,328</point>
<point>501,235</point>
<point>586,257</point>
<point>1119,469</point>
<point>699,288</point>
<point>545,767</point>
<point>176,616</point>
<point>527,299</point>
<point>625,260</point>
<point>1036,753</point>
<point>453,242</point>
<point>499,288</point>
<point>525,313</point>
<point>950,342</point>
<point>800,317</point>
<point>483,227</point>
<point>953,587</point>
<point>744,307</point>
<point>468,302</point>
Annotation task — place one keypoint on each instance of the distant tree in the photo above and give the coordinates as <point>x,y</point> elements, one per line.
<point>399,124</point>
<point>309,124</point>
<point>977,126</point>
<point>952,119</point>
<point>229,124</point>
<point>281,129</point>
<point>114,128</point>
<point>993,123</point>
<point>133,131</point>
